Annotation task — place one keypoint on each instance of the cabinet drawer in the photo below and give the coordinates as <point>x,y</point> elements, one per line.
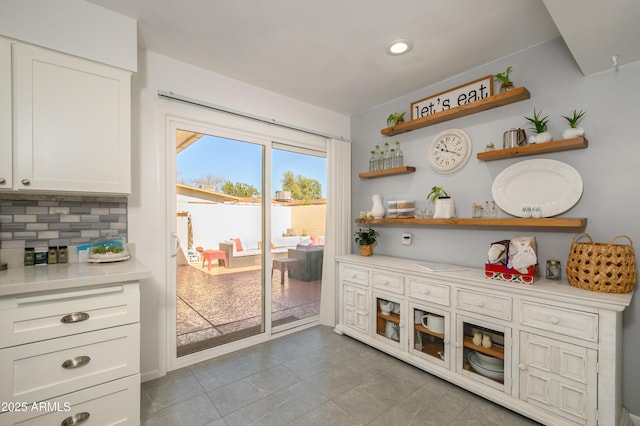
<point>583,325</point>
<point>393,283</point>
<point>354,275</point>
<point>116,402</point>
<point>31,318</point>
<point>429,291</point>
<point>483,303</point>
<point>41,370</point>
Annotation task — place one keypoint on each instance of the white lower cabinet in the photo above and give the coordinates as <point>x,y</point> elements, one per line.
<point>549,351</point>
<point>72,356</point>
<point>559,377</point>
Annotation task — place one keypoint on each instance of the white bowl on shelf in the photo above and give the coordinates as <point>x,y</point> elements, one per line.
<point>489,360</point>
<point>484,370</point>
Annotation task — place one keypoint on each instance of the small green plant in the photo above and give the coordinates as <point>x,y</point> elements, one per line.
<point>573,120</point>
<point>365,236</point>
<point>504,77</point>
<point>437,192</point>
<point>395,118</point>
<point>540,123</point>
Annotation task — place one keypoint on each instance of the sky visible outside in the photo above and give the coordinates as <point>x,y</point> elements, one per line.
<point>242,162</point>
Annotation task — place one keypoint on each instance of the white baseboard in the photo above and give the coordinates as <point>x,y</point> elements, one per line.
<point>635,419</point>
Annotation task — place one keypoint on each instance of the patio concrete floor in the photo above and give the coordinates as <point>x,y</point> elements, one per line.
<point>222,305</point>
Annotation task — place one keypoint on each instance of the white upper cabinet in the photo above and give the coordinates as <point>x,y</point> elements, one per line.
<point>72,123</point>
<point>6,169</point>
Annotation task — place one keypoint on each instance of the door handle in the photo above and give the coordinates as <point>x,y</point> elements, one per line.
<point>176,244</point>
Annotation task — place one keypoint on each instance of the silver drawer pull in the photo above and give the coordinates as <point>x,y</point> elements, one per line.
<point>76,361</point>
<point>74,317</point>
<point>26,182</point>
<point>76,419</point>
<point>2,181</point>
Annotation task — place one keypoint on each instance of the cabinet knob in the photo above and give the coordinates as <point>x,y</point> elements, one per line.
<point>76,361</point>
<point>74,317</point>
<point>26,182</point>
<point>480,304</point>
<point>554,320</point>
<point>427,292</point>
<point>522,367</point>
<point>458,344</point>
<point>2,181</point>
<point>76,419</point>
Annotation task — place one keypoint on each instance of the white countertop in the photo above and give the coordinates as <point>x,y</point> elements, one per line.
<point>546,289</point>
<point>30,279</point>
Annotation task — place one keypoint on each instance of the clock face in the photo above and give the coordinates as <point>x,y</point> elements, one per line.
<point>449,151</point>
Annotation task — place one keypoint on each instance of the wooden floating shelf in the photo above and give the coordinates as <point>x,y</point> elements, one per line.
<point>533,149</point>
<point>387,172</point>
<point>501,99</point>
<point>425,330</point>
<point>545,222</point>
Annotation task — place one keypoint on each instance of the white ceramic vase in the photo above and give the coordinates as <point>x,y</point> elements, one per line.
<point>572,133</point>
<point>444,208</point>
<point>377,210</point>
<point>540,138</point>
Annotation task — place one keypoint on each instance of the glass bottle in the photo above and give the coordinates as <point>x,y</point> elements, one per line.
<point>378,158</point>
<point>399,155</point>
<point>385,158</point>
<point>372,161</point>
<point>554,271</point>
<point>392,158</point>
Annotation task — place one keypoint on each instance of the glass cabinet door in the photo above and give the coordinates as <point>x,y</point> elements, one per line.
<point>389,312</point>
<point>430,334</point>
<point>483,352</point>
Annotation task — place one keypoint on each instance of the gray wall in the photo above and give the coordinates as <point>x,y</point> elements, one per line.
<point>610,168</point>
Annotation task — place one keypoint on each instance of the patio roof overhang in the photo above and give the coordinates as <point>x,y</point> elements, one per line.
<point>205,194</point>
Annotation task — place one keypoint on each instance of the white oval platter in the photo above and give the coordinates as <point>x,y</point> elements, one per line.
<point>551,185</point>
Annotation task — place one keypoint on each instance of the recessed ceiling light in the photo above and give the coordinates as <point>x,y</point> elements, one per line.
<point>399,47</point>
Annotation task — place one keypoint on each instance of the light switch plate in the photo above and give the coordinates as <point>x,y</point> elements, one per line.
<point>406,238</point>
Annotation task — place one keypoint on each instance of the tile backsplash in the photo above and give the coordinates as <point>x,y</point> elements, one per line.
<point>55,220</point>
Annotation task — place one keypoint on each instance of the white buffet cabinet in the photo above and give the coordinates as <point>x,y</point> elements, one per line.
<point>70,344</point>
<point>555,353</point>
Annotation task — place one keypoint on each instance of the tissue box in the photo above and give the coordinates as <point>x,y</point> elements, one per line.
<point>498,271</point>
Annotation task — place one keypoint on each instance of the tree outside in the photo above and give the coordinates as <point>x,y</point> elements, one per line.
<point>301,187</point>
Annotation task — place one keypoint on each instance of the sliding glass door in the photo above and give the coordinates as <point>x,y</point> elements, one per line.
<point>220,289</point>
<point>298,216</point>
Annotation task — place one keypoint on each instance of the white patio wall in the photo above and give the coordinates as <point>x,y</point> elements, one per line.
<point>214,223</point>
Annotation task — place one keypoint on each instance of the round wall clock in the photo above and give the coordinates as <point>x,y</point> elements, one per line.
<point>449,151</point>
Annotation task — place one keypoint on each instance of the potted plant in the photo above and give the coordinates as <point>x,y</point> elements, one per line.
<point>506,83</point>
<point>573,131</point>
<point>395,118</point>
<point>366,238</point>
<point>540,127</point>
<point>444,206</point>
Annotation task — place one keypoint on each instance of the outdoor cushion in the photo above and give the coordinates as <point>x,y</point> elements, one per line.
<point>238,243</point>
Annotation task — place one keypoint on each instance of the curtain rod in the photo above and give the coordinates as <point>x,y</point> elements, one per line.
<point>184,99</point>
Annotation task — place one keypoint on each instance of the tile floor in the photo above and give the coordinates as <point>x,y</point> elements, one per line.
<point>313,377</point>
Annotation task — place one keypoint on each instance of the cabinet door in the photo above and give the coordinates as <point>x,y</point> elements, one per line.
<point>559,377</point>
<point>356,308</point>
<point>6,156</point>
<point>429,334</point>
<point>72,129</point>
<point>483,352</point>
<point>389,319</point>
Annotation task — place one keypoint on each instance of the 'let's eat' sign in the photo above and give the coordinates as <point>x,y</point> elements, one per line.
<point>452,98</point>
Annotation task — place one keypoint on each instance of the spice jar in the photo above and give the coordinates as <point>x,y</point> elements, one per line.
<point>52,257</point>
<point>63,255</point>
<point>554,271</point>
<point>29,256</point>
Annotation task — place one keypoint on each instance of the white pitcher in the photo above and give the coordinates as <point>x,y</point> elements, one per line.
<point>377,210</point>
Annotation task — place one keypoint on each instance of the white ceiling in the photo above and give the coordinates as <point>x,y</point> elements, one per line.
<point>330,53</point>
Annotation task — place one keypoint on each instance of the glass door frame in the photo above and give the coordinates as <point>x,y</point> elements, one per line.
<point>179,123</point>
<point>206,121</point>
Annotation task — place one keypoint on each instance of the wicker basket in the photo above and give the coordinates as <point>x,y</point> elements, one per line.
<point>603,267</point>
<point>366,250</point>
